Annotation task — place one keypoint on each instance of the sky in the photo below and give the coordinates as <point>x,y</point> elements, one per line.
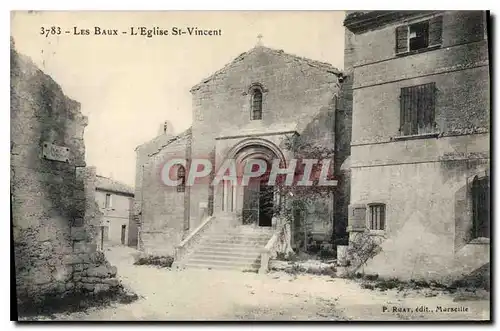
<point>128,85</point>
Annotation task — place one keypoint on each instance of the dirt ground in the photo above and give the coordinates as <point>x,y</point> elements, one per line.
<point>230,295</point>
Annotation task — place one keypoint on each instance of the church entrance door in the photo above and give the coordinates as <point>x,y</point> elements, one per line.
<point>258,203</point>
<point>266,205</point>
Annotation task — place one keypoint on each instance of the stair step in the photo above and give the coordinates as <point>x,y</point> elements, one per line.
<point>236,249</point>
<point>226,258</point>
<point>214,263</point>
<point>242,238</point>
<point>239,242</point>
<point>207,243</point>
<point>228,254</point>
<point>242,235</point>
<point>220,267</point>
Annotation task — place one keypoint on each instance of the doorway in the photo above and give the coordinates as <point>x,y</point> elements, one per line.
<point>266,205</point>
<point>258,203</point>
<point>124,229</point>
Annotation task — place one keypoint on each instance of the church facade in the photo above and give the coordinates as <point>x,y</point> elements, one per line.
<point>248,109</point>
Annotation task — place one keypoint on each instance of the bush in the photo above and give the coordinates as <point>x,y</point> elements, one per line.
<point>161,261</point>
<point>286,257</point>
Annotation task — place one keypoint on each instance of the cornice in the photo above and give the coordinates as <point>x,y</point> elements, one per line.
<point>359,22</point>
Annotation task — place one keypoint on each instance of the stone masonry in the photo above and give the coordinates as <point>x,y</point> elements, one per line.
<point>54,215</point>
<point>300,97</point>
<point>423,181</point>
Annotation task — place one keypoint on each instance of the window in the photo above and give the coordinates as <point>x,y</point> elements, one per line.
<point>181,176</point>
<point>256,104</point>
<point>419,36</point>
<point>417,109</point>
<point>107,202</point>
<point>376,216</point>
<point>480,207</point>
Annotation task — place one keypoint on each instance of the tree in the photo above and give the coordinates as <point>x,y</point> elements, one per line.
<point>300,199</point>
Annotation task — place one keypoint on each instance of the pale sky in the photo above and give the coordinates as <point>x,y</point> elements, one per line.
<point>128,85</point>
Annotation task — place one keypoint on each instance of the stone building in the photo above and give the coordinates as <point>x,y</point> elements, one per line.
<point>115,201</point>
<point>420,152</point>
<point>54,217</point>
<point>247,109</point>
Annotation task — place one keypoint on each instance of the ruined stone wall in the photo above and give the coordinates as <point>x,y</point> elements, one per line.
<point>53,208</point>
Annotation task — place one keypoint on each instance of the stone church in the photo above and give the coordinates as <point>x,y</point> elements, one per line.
<point>247,109</point>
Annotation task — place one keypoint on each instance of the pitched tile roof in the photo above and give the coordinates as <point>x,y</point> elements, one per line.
<point>160,142</point>
<point>108,184</point>
<point>313,63</point>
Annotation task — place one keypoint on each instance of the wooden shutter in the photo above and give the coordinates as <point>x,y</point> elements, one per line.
<point>425,105</point>
<point>409,110</point>
<point>357,217</point>
<point>435,30</point>
<point>402,39</point>
<point>480,207</point>
<point>417,109</point>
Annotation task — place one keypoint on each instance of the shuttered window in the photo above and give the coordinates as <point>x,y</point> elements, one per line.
<point>480,208</point>
<point>376,216</point>
<point>417,109</point>
<point>107,201</point>
<point>420,35</point>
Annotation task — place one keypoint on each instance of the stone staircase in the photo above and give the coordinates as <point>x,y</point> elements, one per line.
<point>238,249</point>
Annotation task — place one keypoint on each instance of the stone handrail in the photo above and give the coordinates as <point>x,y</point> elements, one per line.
<point>270,249</point>
<point>192,238</point>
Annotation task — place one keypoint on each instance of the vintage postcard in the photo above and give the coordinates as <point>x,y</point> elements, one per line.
<point>250,165</point>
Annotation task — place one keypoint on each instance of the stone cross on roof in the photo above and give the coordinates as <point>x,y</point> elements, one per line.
<point>259,39</point>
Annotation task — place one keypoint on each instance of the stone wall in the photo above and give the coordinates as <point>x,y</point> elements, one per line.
<point>159,208</point>
<point>295,90</point>
<point>422,182</point>
<point>53,209</point>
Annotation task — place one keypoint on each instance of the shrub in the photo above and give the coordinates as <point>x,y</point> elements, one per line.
<point>280,256</point>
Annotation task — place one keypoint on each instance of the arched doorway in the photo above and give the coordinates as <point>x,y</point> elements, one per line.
<point>256,201</point>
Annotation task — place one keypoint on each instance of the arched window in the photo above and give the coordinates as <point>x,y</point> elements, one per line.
<point>181,176</point>
<point>480,207</point>
<point>256,104</point>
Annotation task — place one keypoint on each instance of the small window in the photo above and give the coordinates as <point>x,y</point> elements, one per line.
<point>107,202</point>
<point>419,36</point>
<point>417,109</point>
<point>256,104</point>
<point>480,208</point>
<point>376,216</point>
<point>181,176</point>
